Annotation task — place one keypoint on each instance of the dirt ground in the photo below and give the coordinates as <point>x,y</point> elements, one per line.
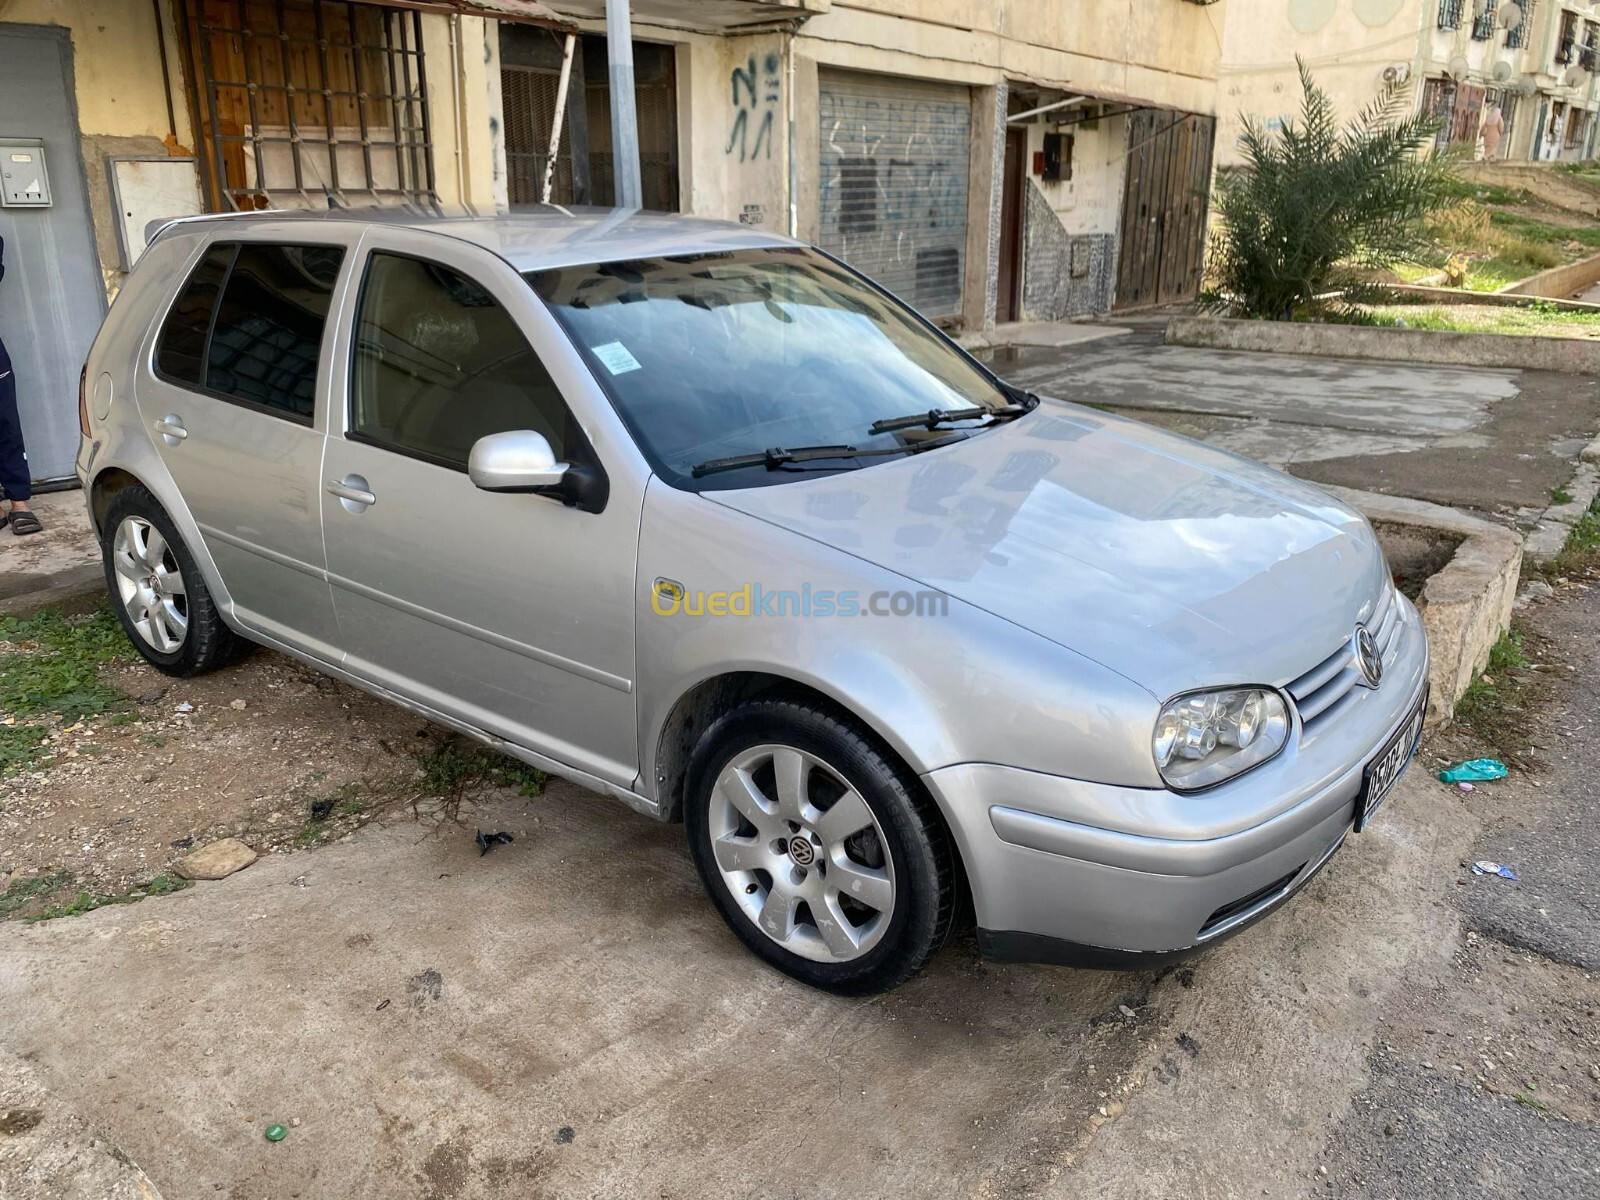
<point>243,753</point>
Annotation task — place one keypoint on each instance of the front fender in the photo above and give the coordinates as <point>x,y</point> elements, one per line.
<point>940,688</point>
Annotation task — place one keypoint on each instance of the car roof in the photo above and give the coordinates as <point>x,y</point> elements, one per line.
<point>534,238</point>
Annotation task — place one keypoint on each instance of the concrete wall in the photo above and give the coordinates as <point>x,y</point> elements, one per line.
<point>1347,47</point>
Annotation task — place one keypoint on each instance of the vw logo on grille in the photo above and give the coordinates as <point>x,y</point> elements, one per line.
<point>1368,657</point>
<point>801,850</point>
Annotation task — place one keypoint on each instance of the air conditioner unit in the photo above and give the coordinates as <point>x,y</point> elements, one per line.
<point>1396,73</point>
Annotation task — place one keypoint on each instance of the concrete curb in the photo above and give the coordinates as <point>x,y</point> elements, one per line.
<point>67,587</point>
<point>1465,606</point>
<point>1570,355</point>
<point>1558,283</point>
<point>1556,522</point>
<point>1045,334</point>
<point>56,1153</point>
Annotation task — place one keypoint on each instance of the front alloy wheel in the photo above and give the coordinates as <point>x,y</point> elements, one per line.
<point>820,848</point>
<point>801,854</point>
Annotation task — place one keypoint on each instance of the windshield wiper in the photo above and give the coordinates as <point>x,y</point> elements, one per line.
<point>779,456</point>
<point>936,417</point>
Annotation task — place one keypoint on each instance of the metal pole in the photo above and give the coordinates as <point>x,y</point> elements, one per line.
<point>624,118</point>
<point>561,112</point>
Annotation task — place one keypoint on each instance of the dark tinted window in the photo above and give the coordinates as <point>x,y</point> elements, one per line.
<point>268,330</point>
<point>439,364</point>
<point>183,335</point>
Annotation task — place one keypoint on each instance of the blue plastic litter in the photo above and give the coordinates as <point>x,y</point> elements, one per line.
<point>1485,867</point>
<point>1475,771</point>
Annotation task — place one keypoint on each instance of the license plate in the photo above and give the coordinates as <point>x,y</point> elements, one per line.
<point>1384,771</point>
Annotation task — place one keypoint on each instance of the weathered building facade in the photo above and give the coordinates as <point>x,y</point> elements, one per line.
<point>989,160</point>
<point>1532,62</point>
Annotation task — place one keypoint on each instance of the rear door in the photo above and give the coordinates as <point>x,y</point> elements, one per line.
<point>232,406</point>
<point>509,612</point>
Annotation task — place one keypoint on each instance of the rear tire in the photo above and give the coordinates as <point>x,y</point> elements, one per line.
<point>819,847</point>
<point>158,592</point>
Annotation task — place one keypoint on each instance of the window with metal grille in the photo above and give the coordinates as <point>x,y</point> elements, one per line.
<point>303,101</point>
<point>1518,37</point>
<point>1567,40</point>
<point>1483,25</point>
<point>530,67</point>
<point>1450,13</point>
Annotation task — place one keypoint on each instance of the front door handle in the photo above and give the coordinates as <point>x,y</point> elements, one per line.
<point>353,491</point>
<point>171,428</point>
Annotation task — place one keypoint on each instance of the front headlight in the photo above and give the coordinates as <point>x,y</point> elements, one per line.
<point>1206,737</point>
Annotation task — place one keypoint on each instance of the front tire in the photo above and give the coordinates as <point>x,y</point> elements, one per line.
<point>156,588</point>
<point>818,847</point>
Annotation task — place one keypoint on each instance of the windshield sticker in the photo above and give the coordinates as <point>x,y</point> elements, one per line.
<point>616,357</point>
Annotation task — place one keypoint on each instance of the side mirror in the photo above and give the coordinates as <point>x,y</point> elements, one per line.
<point>516,461</point>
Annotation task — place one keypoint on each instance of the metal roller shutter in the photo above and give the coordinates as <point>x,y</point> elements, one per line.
<point>893,196</point>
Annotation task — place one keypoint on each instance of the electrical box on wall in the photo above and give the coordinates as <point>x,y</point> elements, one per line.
<point>23,181</point>
<point>1057,157</point>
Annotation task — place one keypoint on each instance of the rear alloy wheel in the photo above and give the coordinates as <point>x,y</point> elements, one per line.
<point>161,599</point>
<point>819,848</point>
<point>150,584</point>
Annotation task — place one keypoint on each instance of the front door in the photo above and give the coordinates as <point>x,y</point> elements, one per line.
<point>1162,256</point>
<point>1008,289</point>
<point>232,410</point>
<point>510,612</point>
<point>53,298</point>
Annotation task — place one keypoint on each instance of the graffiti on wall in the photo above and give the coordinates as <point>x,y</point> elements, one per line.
<point>755,107</point>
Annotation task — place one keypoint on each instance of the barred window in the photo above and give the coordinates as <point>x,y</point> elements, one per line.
<point>1450,13</point>
<point>1518,37</point>
<point>300,101</point>
<point>1483,26</point>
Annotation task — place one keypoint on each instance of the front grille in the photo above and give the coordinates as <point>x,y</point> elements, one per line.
<point>1322,691</point>
<point>1245,903</point>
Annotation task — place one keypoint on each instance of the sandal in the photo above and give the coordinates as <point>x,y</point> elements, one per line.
<point>24,522</point>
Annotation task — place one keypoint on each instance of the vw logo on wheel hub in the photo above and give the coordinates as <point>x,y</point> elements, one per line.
<point>801,850</point>
<point>1368,658</point>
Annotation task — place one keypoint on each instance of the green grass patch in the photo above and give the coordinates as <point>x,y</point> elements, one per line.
<point>454,767</point>
<point>20,892</point>
<point>1492,707</point>
<point>1532,320</point>
<point>50,668</point>
<point>84,901</point>
<point>1560,495</point>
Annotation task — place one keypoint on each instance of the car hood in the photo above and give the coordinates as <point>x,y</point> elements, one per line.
<point>1172,563</point>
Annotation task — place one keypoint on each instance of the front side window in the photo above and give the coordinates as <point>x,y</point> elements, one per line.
<point>718,355</point>
<point>439,364</point>
<point>248,325</point>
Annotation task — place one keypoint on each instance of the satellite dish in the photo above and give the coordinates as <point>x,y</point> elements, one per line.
<point>1527,86</point>
<point>1480,8</point>
<point>1510,17</point>
<point>1458,68</point>
<point>1502,71</point>
<point>1574,76</point>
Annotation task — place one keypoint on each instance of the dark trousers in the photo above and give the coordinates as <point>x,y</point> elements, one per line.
<point>14,480</point>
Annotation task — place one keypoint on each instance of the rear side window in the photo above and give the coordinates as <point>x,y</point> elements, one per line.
<point>260,325</point>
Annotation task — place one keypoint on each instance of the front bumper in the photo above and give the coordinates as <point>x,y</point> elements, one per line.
<point>1095,875</point>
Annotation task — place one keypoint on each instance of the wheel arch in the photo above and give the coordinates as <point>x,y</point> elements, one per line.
<point>700,705</point>
<point>104,489</point>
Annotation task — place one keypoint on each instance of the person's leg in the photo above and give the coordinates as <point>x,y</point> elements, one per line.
<point>14,478</point>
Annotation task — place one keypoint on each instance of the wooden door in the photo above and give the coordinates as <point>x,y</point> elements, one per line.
<point>1165,199</point>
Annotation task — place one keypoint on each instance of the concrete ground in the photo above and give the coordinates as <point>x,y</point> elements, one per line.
<point>63,556</point>
<point>1498,442</point>
<point>566,1016</point>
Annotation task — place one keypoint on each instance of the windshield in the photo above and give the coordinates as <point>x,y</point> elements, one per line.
<point>716,355</point>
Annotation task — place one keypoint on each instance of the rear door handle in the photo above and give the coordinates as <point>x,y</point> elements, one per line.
<point>354,491</point>
<point>171,428</point>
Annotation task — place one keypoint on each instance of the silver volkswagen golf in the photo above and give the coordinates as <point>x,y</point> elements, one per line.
<point>702,519</point>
